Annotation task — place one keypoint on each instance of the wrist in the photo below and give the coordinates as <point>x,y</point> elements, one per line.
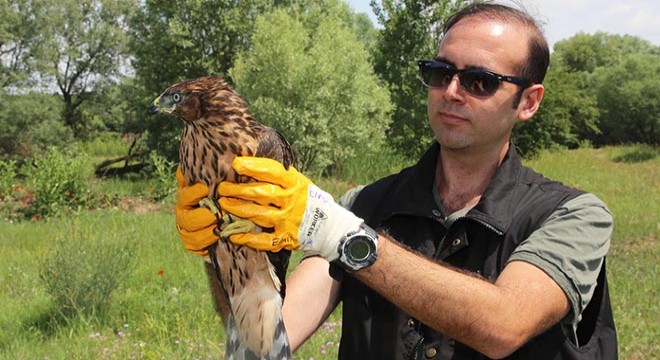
<point>358,249</point>
<point>325,224</point>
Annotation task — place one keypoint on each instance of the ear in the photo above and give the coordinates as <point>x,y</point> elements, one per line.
<point>530,102</point>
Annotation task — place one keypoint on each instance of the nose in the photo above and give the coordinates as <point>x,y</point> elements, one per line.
<point>454,92</point>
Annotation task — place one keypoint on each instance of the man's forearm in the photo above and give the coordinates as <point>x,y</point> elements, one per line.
<point>311,296</point>
<point>493,318</point>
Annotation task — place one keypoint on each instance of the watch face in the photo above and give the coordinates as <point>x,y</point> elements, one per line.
<point>359,249</point>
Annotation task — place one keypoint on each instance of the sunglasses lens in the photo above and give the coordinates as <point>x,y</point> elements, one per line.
<point>479,83</point>
<point>436,77</point>
<point>436,74</point>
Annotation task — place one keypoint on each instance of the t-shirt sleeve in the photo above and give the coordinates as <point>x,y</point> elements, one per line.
<point>347,200</point>
<point>570,247</point>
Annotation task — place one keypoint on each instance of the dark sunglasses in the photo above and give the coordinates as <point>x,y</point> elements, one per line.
<point>477,82</point>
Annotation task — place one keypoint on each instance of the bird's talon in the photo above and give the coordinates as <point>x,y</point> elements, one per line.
<point>211,205</point>
<point>238,226</point>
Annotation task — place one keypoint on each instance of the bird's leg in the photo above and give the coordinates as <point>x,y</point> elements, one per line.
<point>213,205</point>
<point>236,225</point>
<point>228,224</point>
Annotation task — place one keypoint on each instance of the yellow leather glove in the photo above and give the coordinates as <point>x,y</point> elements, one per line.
<point>301,214</point>
<point>195,223</point>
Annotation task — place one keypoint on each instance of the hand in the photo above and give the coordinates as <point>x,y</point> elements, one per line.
<point>195,224</point>
<point>302,215</point>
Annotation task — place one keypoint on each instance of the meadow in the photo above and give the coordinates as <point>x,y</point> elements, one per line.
<point>161,307</point>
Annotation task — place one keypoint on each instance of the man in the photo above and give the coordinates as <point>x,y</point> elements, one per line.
<point>476,256</point>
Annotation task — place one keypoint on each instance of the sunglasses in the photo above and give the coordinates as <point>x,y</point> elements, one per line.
<point>477,82</point>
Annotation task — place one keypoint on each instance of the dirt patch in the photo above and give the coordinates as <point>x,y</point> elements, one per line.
<point>142,206</point>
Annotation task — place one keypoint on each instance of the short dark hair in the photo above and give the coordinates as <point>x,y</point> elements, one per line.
<point>535,66</point>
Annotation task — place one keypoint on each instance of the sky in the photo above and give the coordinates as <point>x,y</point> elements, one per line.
<point>564,18</point>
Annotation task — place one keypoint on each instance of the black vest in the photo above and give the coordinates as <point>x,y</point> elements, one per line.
<point>515,203</point>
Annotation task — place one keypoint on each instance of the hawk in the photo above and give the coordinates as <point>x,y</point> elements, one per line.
<point>219,127</point>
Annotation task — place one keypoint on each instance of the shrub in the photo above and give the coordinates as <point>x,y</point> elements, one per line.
<point>59,180</point>
<point>83,268</point>
<point>7,178</point>
<point>30,123</point>
<point>163,181</point>
<point>329,107</point>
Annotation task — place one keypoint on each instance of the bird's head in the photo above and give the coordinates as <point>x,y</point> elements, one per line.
<point>188,100</point>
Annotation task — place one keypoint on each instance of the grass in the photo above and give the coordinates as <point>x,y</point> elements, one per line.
<point>163,310</point>
<point>628,180</point>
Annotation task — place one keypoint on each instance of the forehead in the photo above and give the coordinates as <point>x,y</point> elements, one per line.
<point>491,44</point>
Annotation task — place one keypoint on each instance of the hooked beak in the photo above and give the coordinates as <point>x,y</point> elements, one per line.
<point>154,108</point>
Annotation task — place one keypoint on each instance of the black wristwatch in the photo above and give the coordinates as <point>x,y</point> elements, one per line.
<point>358,249</point>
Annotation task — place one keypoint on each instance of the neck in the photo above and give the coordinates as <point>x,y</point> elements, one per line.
<point>462,177</point>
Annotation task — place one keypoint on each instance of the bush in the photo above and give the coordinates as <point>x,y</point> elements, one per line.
<point>631,108</point>
<point>7,178</point>
<point>161,170</point>
<point>59,180</point>
<point>30,123</point>
<point>83,269</point>
<point>329,108</point>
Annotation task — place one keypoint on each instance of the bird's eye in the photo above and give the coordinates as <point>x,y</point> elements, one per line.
<point>176,97</point>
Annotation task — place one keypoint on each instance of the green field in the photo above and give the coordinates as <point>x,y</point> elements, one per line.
<point>162,310</point>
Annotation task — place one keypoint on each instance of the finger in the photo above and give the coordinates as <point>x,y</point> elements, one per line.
<point>198,240</point>
<point>180,181</point>
<point>199,252</point>
<point>195,219</point>
<point>264,169</point>
<point>264,241</point>
<point>189,196</point>
<point>260,214</point>
<point>259,192</point>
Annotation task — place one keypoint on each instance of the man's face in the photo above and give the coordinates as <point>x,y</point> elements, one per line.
<point>461,121</point>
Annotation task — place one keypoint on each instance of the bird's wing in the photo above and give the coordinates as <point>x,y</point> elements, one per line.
<point>272,144</point>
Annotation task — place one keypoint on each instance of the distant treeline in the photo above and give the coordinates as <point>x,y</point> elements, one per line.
<point>329,79</point>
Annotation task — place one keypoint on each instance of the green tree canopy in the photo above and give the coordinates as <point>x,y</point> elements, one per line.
<point>630,94</point>
<point>18,31</point>
<point>411,31</point>
<point>586,52</point>
<point>614,73</point>
<point>308,75</point>
<point>177,40</point>
<point>29,123</point>
<point>81,49</point>
<point>568,114</point>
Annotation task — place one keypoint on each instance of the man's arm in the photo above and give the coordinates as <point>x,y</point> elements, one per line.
<point>493,318</point>
<point>311,295</point>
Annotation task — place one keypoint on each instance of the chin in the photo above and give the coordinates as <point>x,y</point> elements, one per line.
<point>452,140</point>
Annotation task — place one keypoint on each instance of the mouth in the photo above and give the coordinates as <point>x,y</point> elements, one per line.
<point>451,119</point>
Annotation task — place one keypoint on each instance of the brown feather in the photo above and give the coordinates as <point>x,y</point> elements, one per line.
<point>219,127</point>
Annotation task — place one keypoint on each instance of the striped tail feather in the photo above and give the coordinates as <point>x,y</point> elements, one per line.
<point>236,350</point>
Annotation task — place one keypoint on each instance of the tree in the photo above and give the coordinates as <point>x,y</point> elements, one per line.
<point>18,31</point>
<point>176,40</point>
<point>411,31</point>
<point>567,114</point>
<point>81,49</point>
<point>308,75</point>
<point>598,62</point>
<point>586,52</point>
<point>29,124</point>
<point>630,96</point>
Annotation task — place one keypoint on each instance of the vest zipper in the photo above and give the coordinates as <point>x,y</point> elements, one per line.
<point>416,348</point>
<point>487,225</point>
